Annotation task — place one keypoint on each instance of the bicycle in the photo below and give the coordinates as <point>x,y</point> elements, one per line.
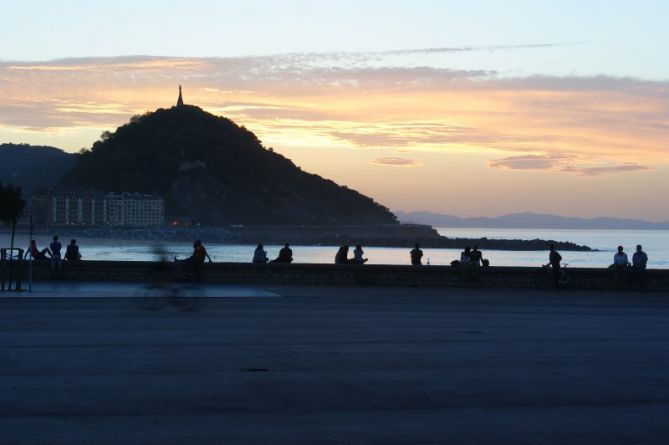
<point>544,278</point>
<point>158,296</point>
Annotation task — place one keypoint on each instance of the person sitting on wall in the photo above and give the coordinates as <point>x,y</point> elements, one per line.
<point>416,255</point>
<point>72,251</point>
<point>197,259</point>
<point>620,265</point>
<point>260,255</point>
<point>342,256</point>
<point>285,255</point>
<point>358,255</point>
<point>38,254</point>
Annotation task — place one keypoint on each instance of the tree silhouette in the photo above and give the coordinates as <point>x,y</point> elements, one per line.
<point>12,205</point>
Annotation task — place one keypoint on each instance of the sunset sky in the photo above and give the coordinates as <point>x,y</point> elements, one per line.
<point>475,108</point>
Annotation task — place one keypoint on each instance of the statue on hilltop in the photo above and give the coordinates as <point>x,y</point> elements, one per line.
<point>180,100</point>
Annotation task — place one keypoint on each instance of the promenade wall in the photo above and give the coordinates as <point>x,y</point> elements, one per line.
<point>336,275</point>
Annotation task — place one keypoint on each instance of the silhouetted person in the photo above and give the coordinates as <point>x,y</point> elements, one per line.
<point>197,259</point>
<point>285,255</point>
<point>465,256</point>
<point>620,264</point>
<point>342,256</point>
<point>72,251</point>
<point>554,259</point>
<point>416,255</point>
<point>259,255</point>
<point>620,258</point>
<point>475,262</point>
<point>56,258</point>
<point>38,254</point>
<point>358,255</point>
<point>639,263</point>
<point>476,256</point>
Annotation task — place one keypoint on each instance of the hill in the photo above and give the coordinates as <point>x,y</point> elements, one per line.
<point>34,168</point>
<point>529,221</point>
<point>215,172</point>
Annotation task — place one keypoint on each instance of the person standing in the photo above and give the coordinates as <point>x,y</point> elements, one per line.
<point>56,258</point>
<point>639,263</point>
<point>475,261</point>
<point>554,259</point>
<point>416,255</point>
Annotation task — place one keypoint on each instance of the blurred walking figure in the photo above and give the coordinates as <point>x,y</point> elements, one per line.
<point>260,255</point>
<point>416,255</point>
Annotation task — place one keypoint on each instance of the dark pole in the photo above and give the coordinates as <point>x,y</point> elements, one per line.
<point>29,253</point>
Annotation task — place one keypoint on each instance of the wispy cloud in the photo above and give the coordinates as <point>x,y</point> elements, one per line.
<point>349,100</point>
<point>396,162</point>
<point>565,163</point>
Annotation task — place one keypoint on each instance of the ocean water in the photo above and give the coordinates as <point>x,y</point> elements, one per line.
<point>655,242</point>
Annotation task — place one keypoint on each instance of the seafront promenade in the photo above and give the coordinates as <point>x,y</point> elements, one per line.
<point>656,280</point>
<point>334,364</point>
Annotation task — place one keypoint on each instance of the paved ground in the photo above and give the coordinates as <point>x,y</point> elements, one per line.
<point>346,365</point>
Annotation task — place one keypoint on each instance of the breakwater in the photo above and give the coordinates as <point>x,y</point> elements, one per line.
<point>390,235</point>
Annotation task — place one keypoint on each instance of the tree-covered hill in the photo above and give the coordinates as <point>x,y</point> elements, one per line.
<point>215,172</point>
<point>33,168</point>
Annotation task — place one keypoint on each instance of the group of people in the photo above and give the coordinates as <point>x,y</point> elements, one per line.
<point>285,255</point>
<point>53,252</point>
<point>358,256</point>
<point>621,267</point>
<point>634,271</point>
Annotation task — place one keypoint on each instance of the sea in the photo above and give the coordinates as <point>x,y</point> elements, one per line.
<point>654,242</point>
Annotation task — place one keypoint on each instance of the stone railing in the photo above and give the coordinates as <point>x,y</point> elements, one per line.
<point>324,274</point>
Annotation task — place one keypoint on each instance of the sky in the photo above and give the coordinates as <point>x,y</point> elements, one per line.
<point>476,108</point>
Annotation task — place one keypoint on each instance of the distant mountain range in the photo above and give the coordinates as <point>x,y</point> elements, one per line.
<point>528,221</point>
